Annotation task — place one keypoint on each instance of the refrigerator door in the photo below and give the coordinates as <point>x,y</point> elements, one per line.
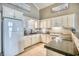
<point>12,34</point>
<point>0,33</point>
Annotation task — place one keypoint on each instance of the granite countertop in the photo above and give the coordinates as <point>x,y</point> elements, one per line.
<point>64,47</point>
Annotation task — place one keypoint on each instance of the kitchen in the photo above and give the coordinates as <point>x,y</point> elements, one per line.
<point>40,29</point>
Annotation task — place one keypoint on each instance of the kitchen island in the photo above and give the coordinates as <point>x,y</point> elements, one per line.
<point>61,47</point>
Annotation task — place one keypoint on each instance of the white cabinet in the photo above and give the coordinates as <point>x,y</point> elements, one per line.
<point>12,13</point>
<point>71,22</point>
<point>43,23</point>
<point>48,39</point>
<point>25,21</point>
<point>57,22</point>
<point>30,40</point>
<point>53,22</point>
<point>35,39</point>
<point>65,21</point>
<point>18,14</point>
<point>43,38</point>
<point>48,23</point>
<point>8,12</point>
<point>30,24</point>
<point>37,23</point>
<point>27,41</point>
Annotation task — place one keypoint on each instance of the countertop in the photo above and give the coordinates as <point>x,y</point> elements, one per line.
<point>75,37</point>
<point>64,47</point>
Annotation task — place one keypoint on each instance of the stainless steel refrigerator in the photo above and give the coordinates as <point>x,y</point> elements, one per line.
<point>12,36</point>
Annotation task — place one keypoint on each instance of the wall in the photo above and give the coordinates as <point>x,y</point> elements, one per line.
<point>47,12</point>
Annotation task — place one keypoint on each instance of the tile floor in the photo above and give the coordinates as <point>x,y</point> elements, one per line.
<point>36,50</point>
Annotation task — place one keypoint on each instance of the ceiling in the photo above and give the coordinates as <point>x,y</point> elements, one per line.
<point>42,5</point>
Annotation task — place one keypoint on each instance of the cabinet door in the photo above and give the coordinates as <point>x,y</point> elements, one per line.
<point>44,38</point>
<point>71,19</point>
<point>53,22</point>
<point>36,24</point>
<point>65,21</point>
<point>18,14</point>
<point>59,22</point>
<point>48,38</point>
<point>8,12</point>
<point>31,24</point>
<point>27,41</point>
<point>38,38</point>
<point>48,23</point>
<point>41,24</point>
<point>44,23</point>
<point>35,39</point>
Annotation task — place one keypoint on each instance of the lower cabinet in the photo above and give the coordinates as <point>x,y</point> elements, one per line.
<point>27,41</point>
<point>48,38</point>
<point>45,38</point>
<point>30,40</point>
<point>35,39</point>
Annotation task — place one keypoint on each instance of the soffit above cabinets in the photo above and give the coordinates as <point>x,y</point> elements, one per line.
<point>42,5</point>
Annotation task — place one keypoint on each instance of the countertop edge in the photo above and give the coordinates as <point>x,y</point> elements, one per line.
<point>76,40</point>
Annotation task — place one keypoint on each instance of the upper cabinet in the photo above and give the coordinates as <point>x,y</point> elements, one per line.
<point>71,20</point>
<point>12,13</point>
<point>18,14</point>
<point>43,24</point>
<point>30,24</point>
<point>57,22</point>
<point>8,12</point>
<point>48,23</point>
<point>37,23</point>
<point>64,21</point>
<point>53,20</point>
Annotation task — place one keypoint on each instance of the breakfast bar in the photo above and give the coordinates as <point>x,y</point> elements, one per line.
<point>63,47</point>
